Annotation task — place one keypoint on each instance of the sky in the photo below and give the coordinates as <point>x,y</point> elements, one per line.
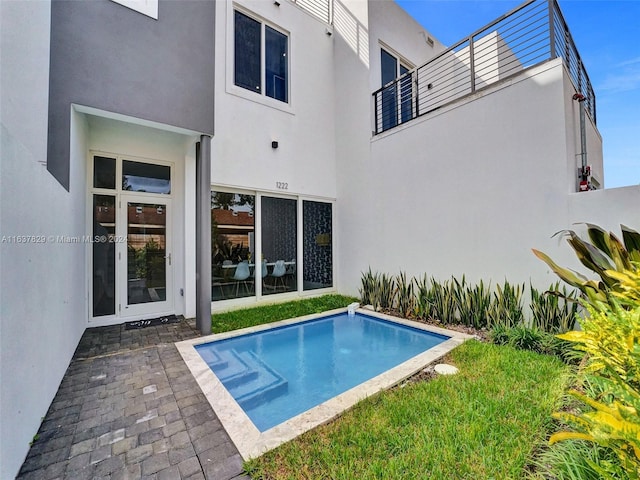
<point>607,35</point>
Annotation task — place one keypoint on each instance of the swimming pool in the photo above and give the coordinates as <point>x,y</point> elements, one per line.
<point>268,384</point>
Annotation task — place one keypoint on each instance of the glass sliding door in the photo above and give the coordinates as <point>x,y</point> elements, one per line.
<point>232,245</point>
<point>317,268</point>
<point>279,245</point>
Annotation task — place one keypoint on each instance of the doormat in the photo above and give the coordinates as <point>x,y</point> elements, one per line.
<point>152,322</point>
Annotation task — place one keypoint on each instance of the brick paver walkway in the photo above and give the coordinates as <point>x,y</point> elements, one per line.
<point>129,408</point>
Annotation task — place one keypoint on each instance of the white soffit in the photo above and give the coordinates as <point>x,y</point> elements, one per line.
<point>146,7</point>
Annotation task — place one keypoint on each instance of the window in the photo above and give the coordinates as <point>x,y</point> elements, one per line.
<point>399,93</point>
<point>261,61</point>
<point>317,245</point>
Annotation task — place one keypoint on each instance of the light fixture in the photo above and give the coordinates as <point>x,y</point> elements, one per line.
<point>274,144</point>
<point>276,3</point>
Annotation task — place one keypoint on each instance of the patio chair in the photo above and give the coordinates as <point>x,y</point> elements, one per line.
<point>278,273</point>
<point>241,275</point>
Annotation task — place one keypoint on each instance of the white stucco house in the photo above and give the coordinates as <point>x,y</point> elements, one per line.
<point>173,158</point>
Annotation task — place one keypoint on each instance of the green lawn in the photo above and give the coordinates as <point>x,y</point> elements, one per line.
<point>248,317</point>
<point>483,423</point>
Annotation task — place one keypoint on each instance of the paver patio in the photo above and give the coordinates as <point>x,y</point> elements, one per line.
<point>129,408</point>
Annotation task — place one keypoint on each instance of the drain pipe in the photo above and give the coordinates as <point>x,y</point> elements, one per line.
<point>584,170</point>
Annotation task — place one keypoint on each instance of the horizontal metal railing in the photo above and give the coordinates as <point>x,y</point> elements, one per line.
<point>527,36</point>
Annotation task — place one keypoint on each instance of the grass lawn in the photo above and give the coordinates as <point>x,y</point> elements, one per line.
<point>483,423</point>
<point>248,317</point>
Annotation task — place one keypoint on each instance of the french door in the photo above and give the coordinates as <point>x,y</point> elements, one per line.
<point>132,273</point>
<point>144,256</point>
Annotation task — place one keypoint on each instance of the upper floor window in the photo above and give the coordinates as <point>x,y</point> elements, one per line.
<point>261,61</point>
<point>397,97</point>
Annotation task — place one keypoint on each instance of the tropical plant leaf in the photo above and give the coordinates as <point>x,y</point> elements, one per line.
<point>619,254</point>
<point>630,237</point>
<point>598,235</point>
<point>571,277</point>
<point>561,436</point>
<point>591,257</point>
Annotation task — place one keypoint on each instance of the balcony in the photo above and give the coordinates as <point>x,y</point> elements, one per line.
<point>529,35</point>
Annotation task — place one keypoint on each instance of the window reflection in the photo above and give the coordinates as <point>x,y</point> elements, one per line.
<point>279,244</point>
<point>104,259</point>
<point>104,172</point>
<point>317,245</point>
<point>232,245</point>
<point>146,177</point>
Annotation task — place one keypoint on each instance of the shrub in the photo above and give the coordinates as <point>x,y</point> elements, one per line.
<point>554,310</point>
<point>506,308</point>
<point>473,303</point>
<point>604,255</point>
<point>610,337</point>
<point>368,285</point>
<point>377,289</point>
<point>443,306</point>
<point>424,298</point>
<point>405,297</point>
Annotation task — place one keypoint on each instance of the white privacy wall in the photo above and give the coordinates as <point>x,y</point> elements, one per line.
<point>246,123</point>
<point>469,189</point>
<point>357,75</point>
<point>42,285</point>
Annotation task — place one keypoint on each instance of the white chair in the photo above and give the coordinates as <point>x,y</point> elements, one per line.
<point>278,273</point>
<point>291,271</point>
<point>241,274</point>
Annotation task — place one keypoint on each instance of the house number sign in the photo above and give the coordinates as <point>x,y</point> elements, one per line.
<point>282,185</point>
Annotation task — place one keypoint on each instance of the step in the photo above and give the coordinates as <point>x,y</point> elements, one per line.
<point>229,367</point>
<point>248,379</point>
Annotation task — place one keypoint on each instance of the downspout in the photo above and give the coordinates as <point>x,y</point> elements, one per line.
<point>203,235</point>
<point>583,171</point>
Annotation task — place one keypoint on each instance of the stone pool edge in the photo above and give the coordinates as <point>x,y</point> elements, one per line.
<point>252,443</point>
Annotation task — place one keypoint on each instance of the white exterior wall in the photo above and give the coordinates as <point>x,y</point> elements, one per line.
<point>469,189</point>
<point>246,123</point>
<point>356,77</point>
<point>390,26</point>
<point>352,131</point>
<point>607,208</point>
<point>42,285</point>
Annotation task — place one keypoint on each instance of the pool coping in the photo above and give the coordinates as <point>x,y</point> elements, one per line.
<point>252,443</point>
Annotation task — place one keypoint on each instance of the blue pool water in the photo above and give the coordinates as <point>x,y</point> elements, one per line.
<point>276,374</point>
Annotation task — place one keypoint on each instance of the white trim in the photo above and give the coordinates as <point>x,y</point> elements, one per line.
<point>300,292</point>
<point>146,7</point>
<point>231,87</point>
<point>97,112</point>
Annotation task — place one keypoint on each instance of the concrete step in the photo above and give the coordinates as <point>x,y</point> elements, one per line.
<point>250,381</point>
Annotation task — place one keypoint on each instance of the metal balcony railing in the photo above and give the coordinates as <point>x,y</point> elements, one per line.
<point>525,37</point>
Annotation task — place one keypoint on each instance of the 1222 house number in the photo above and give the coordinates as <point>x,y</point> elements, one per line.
<point>282,185</point>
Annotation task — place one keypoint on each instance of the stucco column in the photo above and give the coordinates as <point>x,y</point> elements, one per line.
<point>203,235</point>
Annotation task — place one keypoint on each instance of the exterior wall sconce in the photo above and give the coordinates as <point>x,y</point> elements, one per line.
<point>274,144</point>
<point>276,3</point>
